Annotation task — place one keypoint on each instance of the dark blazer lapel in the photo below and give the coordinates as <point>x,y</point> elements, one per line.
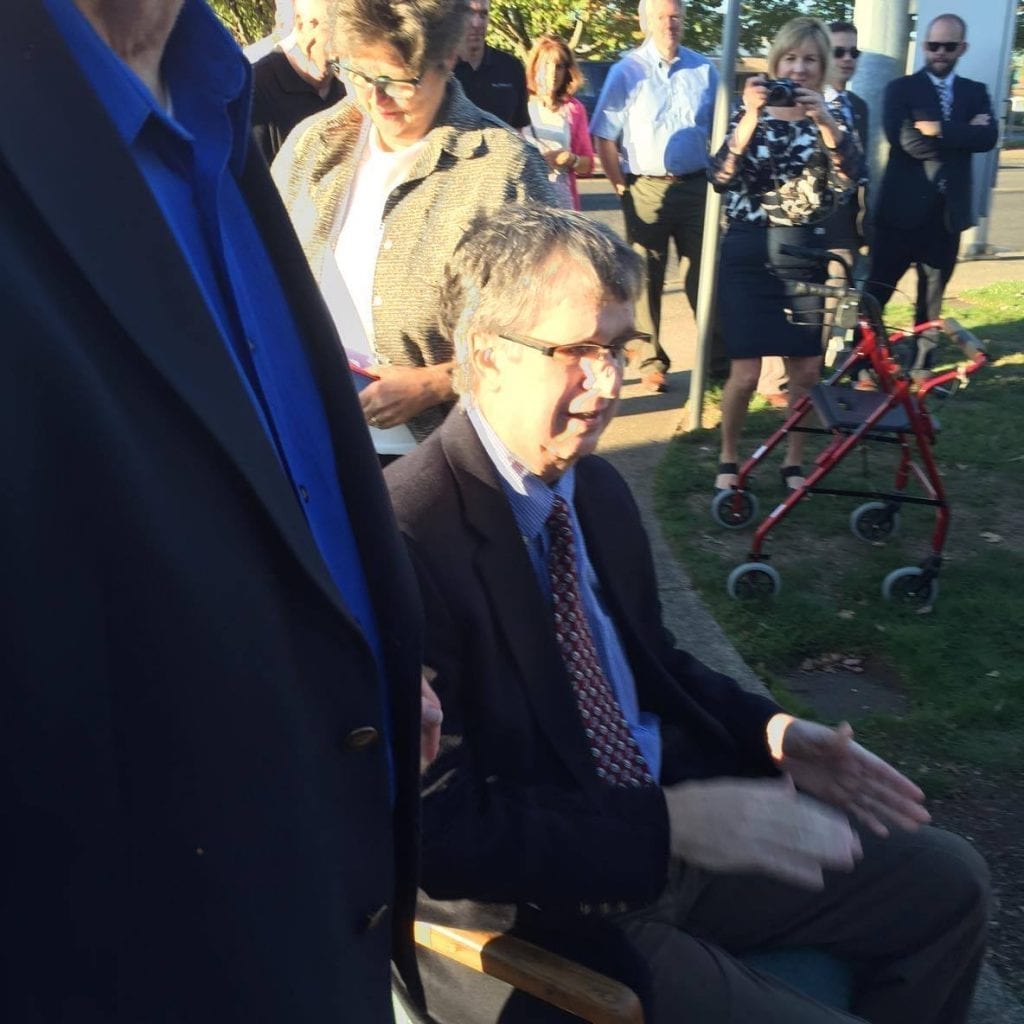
<point>389,576</point>
<point>658,688</point>
<point>511,587</point>
<point>104,215</point>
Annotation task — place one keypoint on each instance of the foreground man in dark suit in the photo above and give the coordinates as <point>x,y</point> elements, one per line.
<point>630,810</point>
<point>209,723</point>
<point>935,120</point>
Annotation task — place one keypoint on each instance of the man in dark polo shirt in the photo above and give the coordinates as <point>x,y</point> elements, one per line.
<point>293,81</point>
<point>493,80</point>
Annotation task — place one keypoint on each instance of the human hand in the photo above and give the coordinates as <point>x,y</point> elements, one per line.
<point>555,158</point>
<point>754,93</point>
<point>930,128</point>
<point>431,717</point>
<point>828,764</point>
<point>814,106</point>
<point>403,392</point>
<point>759,825</point>
<point>980,120</point>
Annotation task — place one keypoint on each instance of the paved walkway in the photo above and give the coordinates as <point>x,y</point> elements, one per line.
<point>636,442</point>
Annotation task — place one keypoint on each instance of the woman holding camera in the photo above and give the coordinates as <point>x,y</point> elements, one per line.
<point>783,165</point>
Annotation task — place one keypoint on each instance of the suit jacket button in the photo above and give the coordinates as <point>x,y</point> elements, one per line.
<point>374,918</point>
<point>361,739</point>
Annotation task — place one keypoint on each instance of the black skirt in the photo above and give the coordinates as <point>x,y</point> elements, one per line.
<point>758,318</point>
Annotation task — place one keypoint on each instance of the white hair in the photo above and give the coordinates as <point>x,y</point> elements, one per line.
<point>641,12</point>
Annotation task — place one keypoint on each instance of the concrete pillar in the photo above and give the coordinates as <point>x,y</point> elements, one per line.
<point>883,31</point>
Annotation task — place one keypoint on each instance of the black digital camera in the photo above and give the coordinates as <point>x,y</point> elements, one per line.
<point>781,92</point>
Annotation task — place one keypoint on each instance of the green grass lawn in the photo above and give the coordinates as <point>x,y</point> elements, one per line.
<point>960,662</point>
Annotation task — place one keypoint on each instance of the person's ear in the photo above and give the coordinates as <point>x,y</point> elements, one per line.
<point>963,47</point>
<point>485,365</point>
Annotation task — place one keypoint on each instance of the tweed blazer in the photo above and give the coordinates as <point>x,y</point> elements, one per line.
<point>472,162</point>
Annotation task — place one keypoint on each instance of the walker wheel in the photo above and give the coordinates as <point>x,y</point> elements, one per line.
<point>905,586</point>
<point>753,580</point>
<point>874,521</point>
<point>733,509</point>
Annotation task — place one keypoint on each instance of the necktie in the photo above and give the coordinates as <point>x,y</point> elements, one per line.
<point>847,109</point>
<point>946,97</point>
<point>616,755</point>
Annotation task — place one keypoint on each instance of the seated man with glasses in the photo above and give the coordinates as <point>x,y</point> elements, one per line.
<point>598,790</point>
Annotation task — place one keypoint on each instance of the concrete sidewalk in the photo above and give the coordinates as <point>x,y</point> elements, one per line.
<point>636,443</point>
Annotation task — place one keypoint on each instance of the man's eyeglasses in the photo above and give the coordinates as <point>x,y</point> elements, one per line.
<point>396,88</point>
<point>839,52</point>
<point>572,355</point>
<point>948,47</point>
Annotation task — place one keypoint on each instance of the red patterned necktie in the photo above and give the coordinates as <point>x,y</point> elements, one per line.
<point>612,745</point>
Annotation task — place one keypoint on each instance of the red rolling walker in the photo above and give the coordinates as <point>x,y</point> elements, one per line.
<point>896,414</point>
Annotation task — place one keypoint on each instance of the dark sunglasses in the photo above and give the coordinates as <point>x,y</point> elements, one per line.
<point>839,52</point>
<point>948,47</point>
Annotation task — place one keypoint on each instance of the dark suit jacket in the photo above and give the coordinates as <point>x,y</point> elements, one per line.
<point>281,98</point>
<point>860,117</point>
<point>909,193</point>
<point>515,818</point>
<point>197,817</point>
<point>843,228</point>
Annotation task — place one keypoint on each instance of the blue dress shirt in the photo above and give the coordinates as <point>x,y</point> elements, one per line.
<point>661,113</point>
<point>531,500</point>
<point>190,157</point>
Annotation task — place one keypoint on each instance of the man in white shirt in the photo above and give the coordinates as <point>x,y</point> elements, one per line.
<point>651,128</point>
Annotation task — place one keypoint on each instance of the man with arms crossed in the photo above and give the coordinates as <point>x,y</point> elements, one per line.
<point>935,121</point>
<point>651,128</point>
<point>210,721</point>
<point>599,789</point>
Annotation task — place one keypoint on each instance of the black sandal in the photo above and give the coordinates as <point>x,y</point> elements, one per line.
<point>730,468</point>
<point>787,473</point>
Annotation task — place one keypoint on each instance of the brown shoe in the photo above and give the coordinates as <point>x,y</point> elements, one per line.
<point>655,382</point>
<point>777,401</point>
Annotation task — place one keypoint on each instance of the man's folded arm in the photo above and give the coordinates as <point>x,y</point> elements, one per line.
<point>975,138</point>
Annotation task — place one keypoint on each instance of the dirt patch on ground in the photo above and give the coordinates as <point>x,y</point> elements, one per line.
<point>991,815</point>
<point>988,812</point>
<point>846,687</point>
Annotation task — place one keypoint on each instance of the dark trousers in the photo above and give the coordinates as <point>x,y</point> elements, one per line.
<point>658,211</point>
<point>932,248</point>
<point>910,920</point>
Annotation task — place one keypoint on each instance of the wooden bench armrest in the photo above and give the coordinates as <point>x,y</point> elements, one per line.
<point>544,975</point>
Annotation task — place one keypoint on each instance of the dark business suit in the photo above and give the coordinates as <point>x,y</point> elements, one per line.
<point>841,229</point>
<point>924,200</point>
<point>519,833</point>
<point>197,812</point>
<point>513,812</point>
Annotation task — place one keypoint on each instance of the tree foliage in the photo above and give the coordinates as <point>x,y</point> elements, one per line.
<point>246,20</point>
<point>597,30</point>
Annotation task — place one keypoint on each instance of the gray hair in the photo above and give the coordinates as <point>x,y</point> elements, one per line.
<point>425,33</point>
<point>643,10</point>
<point>511,263</point>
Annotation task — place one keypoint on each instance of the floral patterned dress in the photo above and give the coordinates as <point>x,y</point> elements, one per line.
<point>779,191</point>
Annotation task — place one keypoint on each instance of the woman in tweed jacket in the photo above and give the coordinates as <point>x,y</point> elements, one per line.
<point>381,187</point>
